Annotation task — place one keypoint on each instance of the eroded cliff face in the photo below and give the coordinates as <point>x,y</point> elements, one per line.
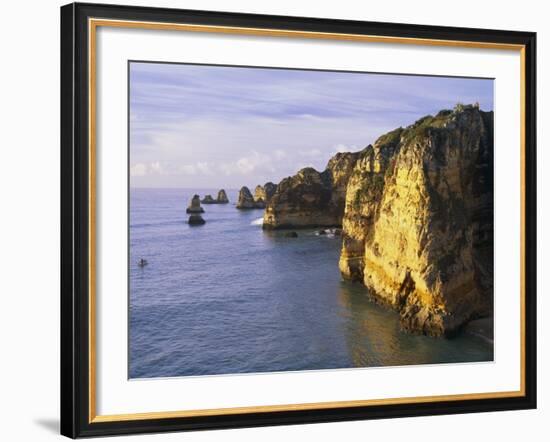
<point>363,196</point>
<point>263,194</point>
<point>222,197</point>
<point>311,198</point>
<point>246,200</point>
<point>195,205</point>
<point>417,228</point>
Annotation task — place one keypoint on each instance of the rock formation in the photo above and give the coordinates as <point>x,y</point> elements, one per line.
<point>311,198</point>
<point>208,200</point>
<point>265,192</point>
<point>259,196</point>
<point>196,220</point>
<point>269,190</point>
<point>364,192</point>
<point>195,205</point>
<point>246,200</point>
<point>222,197</point>
<point>417,229</point>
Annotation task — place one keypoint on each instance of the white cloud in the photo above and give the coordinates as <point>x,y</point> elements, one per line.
<point>246,165</point>
<point>220,152</point>
<point>188,169</point>
<point>341,147</point>
<point>156,168</point>
<point>199,168</point>
<point>204,168</point>
<point>143,169</point>
<point>255,162</point>
<point>138,169</point>
<point>196,126</point>
<point>311,153</point>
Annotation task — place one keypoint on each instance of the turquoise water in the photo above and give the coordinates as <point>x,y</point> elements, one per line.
<point>228,297</point>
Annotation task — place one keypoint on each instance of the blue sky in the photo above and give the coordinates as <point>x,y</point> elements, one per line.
<point>212,126</point>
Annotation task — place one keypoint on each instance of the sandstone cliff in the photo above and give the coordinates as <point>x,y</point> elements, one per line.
<point>195,205</point>
<point>246,200</point>
<point>208,200</point>
<point>222,197</point>
<point>265,192</point>
<point>196,220</point>
<point>363,195</point>
<point>259,196</point>
<point>311,198</point>
<point>417,228</point>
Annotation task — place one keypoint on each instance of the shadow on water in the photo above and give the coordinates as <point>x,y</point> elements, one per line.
<point>375,339</point>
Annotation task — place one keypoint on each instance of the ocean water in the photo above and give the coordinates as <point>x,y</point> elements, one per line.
<point>228,297</point>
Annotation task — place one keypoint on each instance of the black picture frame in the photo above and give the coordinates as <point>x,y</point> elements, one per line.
<point>75,220</point>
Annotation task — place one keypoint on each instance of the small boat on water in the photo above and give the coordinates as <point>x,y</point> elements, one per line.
<point>142,262</point>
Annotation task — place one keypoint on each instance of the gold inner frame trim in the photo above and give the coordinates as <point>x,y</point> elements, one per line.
<point>93,24</point>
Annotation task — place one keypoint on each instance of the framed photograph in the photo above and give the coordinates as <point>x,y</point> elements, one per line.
<point>274,220</point>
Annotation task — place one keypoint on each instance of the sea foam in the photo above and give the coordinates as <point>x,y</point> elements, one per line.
<point>257,222</point>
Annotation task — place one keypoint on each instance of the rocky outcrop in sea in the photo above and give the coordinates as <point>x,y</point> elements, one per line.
<point>208,200</point>
<point>416,212</point>
<point>259,197</point>
<point>221,199</point>
<point>263,194</point>
<point>246,200</point>
<point>196,220</point>
<point>417,228</point>
<point>195,205</point>
<point>311,198</point>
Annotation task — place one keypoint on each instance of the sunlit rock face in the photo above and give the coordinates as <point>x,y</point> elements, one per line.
<point>221,198</point>
<point>311,198</point>
<point>259,196</point>
<point>246,200</point>
<point>417,227</point>
<point>363,196</point>
<point>263,194</point>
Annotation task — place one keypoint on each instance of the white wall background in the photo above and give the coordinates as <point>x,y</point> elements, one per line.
<point>29,221</point>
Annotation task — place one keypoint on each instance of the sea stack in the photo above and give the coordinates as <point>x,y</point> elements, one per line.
<point>222,197</point>
<point>195,205</point>
<point>418,228</point>
<point>246,200</point>
<point>263,194</point>
<point>208,200</point>
<point>196,220</point>
<point>259,196</point>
